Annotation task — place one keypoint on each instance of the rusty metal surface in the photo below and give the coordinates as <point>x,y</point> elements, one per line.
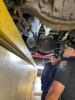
<point>57,14</point>
<point>10,34</point>
<point>16,77</point>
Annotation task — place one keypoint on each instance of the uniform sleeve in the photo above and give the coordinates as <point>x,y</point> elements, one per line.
<point>43,74</point>
<point>45,70</point>
<point>63,72</point>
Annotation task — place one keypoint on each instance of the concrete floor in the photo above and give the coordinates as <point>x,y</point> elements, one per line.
<point>37,98</point>
<point>37,89</point>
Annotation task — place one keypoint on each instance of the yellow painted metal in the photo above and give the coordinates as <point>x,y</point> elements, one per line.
<point>10,34</point>
<point>16,77</point>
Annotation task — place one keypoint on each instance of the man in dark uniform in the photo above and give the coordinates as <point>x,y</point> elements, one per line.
<point>48,74</point>
<point>64,82</point>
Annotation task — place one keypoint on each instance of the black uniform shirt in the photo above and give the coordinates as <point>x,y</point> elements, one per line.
<point>66,75</point>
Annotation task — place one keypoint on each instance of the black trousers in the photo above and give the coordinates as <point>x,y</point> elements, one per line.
<point>43,96</point>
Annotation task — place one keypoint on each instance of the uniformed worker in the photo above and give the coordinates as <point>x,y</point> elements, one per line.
<point>64,82</point>
<point>48,74</point>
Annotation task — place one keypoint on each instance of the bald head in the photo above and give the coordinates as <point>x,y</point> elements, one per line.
<point>69,51</point>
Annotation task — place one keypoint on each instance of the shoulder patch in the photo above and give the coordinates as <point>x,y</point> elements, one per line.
<point>62,65</point>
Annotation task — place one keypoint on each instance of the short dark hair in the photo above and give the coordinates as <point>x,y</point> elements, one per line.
<point>71,39</point>
<point>54,54</point>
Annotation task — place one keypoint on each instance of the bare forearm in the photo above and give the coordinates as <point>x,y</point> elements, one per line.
<point>51,96</point>
<point>55,91</point>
